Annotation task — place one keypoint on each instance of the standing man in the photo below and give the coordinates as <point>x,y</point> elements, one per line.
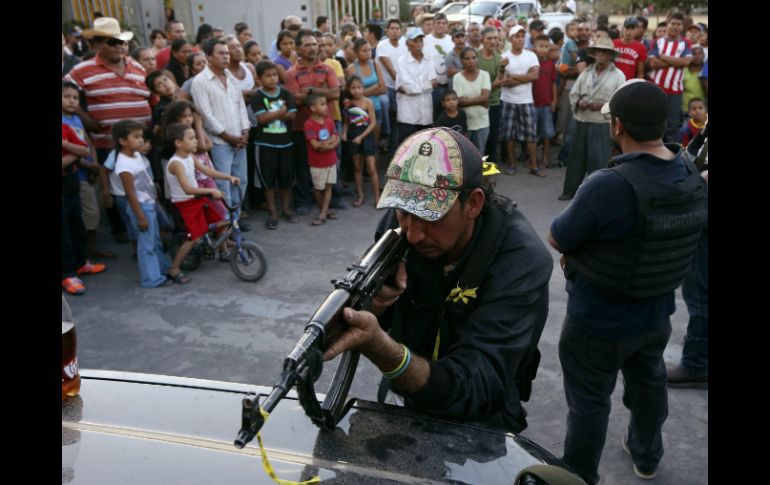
<point>309,75</point>
<point>463,352</point>
<point>621,293</point>
<point>632,55</point>
<point>322,24</point>
<point>474,36</point>
<point>293,24</point>
<point>568,70</point>
<point>415,80</point>
<point>389,50</point>
<point>668,58</point>
<point>217,94</point>
<point>115,90</point>
<point>518,116</point>
<point>174,30</point>
<point>591,143</point>
<point>436,47</point>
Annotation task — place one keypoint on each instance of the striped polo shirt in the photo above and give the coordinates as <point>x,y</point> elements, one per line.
<point>670,78</point>
<point>111,97</point>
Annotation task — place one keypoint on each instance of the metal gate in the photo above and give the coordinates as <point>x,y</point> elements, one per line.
<point>361,10</point>
<point>83,10</point>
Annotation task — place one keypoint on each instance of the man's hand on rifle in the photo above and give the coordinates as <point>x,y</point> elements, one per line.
<point>363,333</point>
<point>388,295</point>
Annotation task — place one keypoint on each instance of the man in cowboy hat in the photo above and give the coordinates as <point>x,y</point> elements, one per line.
<point>114,88</point>
<point>591,144</point>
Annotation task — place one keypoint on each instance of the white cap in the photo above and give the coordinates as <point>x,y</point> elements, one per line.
<point>515,29</point>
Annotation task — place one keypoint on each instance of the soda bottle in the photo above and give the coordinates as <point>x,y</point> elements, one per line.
<point>70,377</point>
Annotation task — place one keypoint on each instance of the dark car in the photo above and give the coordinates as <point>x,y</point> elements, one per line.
<point>150,429</point>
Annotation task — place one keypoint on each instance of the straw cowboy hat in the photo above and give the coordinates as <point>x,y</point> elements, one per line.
<point>604,44</point>
<point>107,27</point>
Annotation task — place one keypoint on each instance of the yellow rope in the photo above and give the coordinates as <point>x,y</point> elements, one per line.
<point>269,468</point>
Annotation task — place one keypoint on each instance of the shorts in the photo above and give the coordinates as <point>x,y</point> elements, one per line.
<point>276,167</point>
<point>518,122</point>
<point>323,176</point>
<point>545,129</point>
<point>197,214</point>
<point>366,147</point>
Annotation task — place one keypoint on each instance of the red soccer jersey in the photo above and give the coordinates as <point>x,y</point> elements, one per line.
<point>320,132</point>
<point>542,89</point>
<point>629,56</point>
<point>669,79</point>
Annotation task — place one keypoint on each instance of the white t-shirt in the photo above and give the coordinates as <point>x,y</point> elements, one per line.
<point>386,49</point>
<point>143,185</point>
<point>437,50</point>
<point>174,187</point>
<point>518,65</point>
<point>477,116</point>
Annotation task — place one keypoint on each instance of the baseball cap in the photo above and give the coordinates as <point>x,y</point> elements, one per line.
<point>515,29</point>
<point>638,101</point>
<point>631,22</point>
<point>428,171</point>
<point>414,32</point>
<point>456,32</point>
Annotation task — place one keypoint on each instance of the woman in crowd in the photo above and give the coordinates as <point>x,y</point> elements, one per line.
<point>177,63</point>
<point>370,74</point>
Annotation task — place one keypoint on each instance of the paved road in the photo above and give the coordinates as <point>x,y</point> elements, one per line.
<point>218,327</point>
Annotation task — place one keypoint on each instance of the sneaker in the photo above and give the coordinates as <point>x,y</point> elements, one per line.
<point>89,268</point>
<point>643,473</point>
<point>679,376</point>
<point>73,286</point>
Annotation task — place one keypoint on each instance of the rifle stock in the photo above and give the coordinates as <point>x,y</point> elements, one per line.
<point>303,366</point>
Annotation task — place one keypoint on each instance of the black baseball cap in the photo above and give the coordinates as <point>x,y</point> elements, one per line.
<point>631,22</point>
<point>638,101</point>
<point>456,32</point>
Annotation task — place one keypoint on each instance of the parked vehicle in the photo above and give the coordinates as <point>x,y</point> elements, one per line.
<point>502,9</point>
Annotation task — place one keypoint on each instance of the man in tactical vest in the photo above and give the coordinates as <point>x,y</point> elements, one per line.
<point>469,303</point>
<point>627,240</point>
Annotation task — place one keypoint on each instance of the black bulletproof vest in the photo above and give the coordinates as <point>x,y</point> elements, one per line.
<point>654,259</point>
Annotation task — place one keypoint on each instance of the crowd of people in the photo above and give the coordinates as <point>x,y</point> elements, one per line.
<point>164,137</point>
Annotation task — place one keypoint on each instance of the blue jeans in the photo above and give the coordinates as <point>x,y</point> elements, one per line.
<point>590,367</point>
<point>153,262</point>
<point>385,119</point>
<point>673,118</point>
<point>121,205</point>
<point>479,138</point>
<point>230,161</point>
<point>394,137</point>
<point>695,290</point>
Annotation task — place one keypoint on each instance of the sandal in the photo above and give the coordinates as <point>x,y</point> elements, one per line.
<point>290,218</point>
<point>179,278</point>
<point>537,172</point>
<point>332,216</point>
<point>358,202</point>
<point>271,223</point>
<point>318,222</point>
<point>510,170</point>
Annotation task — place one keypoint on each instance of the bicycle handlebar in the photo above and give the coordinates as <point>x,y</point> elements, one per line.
<point>240,200</point>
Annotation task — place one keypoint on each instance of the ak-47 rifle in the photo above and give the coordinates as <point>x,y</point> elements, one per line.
<point>303,365</point>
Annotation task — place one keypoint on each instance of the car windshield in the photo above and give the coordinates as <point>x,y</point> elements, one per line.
<point>481,8</point>
<point>454,8</point>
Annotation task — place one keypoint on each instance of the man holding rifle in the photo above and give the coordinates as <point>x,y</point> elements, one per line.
<point>457,334</point>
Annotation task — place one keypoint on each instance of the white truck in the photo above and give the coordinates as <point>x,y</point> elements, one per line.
<point>502,9</point>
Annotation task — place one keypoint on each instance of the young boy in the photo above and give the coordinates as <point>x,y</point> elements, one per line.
<point>322,140</point>
<point>696,110</point>
<point>130,166</point>
<point>275,111</point>
<point>166,89</point>
<point>452,116</point>
<point>73,262</point>
<point>544,94</point>
<point>88,171</point>
<point>183,188</point>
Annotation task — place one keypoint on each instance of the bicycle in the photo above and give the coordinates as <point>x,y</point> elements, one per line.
<point>247,260</point>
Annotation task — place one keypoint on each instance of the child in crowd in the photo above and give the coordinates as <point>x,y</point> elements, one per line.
<point>88,170</point>
<point>698,119</point>
<point>73,262</point>
<point>161,84</point>
<point>358,129</point>
<point>544,94</point>
<point>140,193</point>
<point>322,140</point>
<point>186,112</point>
<point>452,116</point>
<point>275,110</point>
<point>196,212</point>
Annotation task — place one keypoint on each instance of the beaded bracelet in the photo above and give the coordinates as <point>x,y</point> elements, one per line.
<point>402,366</point>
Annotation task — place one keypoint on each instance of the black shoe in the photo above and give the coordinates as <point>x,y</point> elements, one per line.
<point>678,376</point>
<point>244,227</point>
<point>565,197</point>
<point>641,472</point>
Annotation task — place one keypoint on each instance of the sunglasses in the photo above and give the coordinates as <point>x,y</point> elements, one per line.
<point>113,42</point>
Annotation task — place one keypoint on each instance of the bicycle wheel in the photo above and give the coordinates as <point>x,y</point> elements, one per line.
<point>249,263</point>
<point>193,259</point>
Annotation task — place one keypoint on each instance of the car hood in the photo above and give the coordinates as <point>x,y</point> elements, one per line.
<point>141,428</point>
